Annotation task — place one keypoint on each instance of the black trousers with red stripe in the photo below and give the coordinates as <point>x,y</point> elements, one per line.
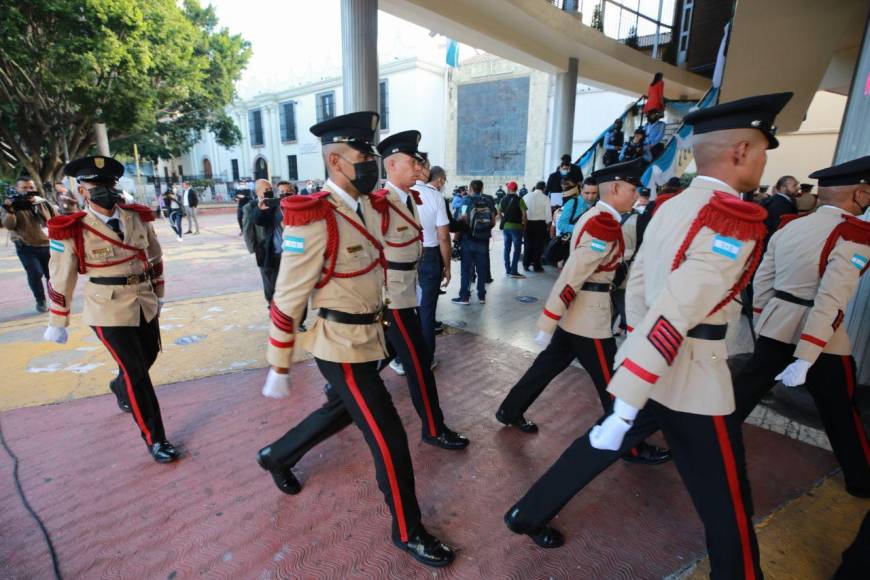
<point>364,396</point>
<point>709,455</point>
<point>405,335</point>
<point>595,354</point>
<point>135,349</point>
<point>831,382</point>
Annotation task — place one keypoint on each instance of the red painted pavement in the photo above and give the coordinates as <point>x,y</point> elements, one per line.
<point>114,513</point>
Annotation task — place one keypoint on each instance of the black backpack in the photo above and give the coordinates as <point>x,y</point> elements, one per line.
<point>510,210</point>
<point>481,219</point>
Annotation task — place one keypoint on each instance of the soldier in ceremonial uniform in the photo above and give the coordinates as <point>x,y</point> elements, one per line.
<point>576,321</point>
<point>802,288</point>
<point>115,245</point>
<point>332,252</point>
<point>402,234</point>
<point>701,248</point>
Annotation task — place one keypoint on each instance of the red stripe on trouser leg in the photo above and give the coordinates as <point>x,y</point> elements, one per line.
<point>137,414</point>
<point>382,446</point>
<point>418,370</point>
<point>605,369</point>
<point>850,389</point>
<point>736,496</point>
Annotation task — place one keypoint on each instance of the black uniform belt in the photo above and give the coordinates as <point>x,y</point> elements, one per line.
<point>348,318</point>
<point>431,248</point>
<point>120,280</point>
<point>407,266</point>
<point>792,298</point>
<point>595,287</point>
<point>709,331</point>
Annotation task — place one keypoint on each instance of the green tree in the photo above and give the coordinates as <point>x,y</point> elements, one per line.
<point>156,72</point>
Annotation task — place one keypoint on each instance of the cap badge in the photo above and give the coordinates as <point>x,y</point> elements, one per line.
<point>99,162</point>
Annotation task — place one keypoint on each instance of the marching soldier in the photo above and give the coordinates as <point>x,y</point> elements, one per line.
<point>802,288</point>
<point>701,248</point>
<point>576,321</point>
<point>330,254</point>
<point>115,245</point>
<point>403,238</point>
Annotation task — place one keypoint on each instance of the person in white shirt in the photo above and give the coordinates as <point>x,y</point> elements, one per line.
<point>538,218</point>
<point>191,201</point>
<point>434,266</point>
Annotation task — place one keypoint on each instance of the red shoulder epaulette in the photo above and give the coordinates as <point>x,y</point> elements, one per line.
<point>851,229</point>
<point>379,200</point>
<point>64,227</point>
<point>603,227</point>
<point>300,210</point>
<point>787,219</point>
<point>661,199</point>
<point>146,214</point>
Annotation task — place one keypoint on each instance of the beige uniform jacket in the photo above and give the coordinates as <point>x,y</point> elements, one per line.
<point>658,360</point>
<point>27,226</point>
<point>575,310</point>
<point>105,255</point>
<point>304,265</point>
<point>402,244</point>
<point>791,264</point>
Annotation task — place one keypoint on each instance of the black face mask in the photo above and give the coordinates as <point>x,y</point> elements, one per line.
<point>105,196</point>
<point>269,193</point>
<point>366,176</point>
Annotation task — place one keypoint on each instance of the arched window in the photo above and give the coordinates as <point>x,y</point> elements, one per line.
<point>206,168</point>
<point>261,168</point>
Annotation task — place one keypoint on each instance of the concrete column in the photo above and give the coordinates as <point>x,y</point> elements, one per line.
<point>562,127</point>
<point>359,54</point>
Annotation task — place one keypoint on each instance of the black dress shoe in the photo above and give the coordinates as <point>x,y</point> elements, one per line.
<point>545,536</point>
<point>447,440</point>
<point>520,422</point>
<point>427,549</point>
<point>122,401</point>
<point>164,452</point>
<point>646,454</point>
<point>283,476</point>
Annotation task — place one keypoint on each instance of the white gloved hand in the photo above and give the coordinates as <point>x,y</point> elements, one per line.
<point>543,338</point>
<point>794,374</point>
<point>277,386</point>
<point>609,435</point>
<point>55,334</point>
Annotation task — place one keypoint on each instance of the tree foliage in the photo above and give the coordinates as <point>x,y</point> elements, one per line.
<point>157,73</point>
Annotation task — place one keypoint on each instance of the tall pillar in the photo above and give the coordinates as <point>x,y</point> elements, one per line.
<point>562,128</point>
<point>854,142</point>
<point>359,54</point>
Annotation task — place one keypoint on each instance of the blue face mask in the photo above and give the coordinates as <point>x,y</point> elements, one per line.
<point>563,171</point>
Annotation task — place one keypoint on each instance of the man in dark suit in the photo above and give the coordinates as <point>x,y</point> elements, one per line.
<point>264,234</point>
<point>782,202</point>
<point>190,201</point>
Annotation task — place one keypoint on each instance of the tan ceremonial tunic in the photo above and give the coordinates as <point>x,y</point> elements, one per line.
<point>107,305</point>
<point>401,289</point>
<point>302,267</point>
<point>791,264</point>
<point>662,305</point>
<point>574,310</point>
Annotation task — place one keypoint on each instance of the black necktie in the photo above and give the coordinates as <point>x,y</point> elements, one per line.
<point>410,204</point>
<point>359,212</point>
<point>116,227</point>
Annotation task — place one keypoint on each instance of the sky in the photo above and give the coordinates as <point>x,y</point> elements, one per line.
<point>299,41</point>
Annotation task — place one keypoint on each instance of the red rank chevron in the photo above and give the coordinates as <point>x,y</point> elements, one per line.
<point>567,295</point>
<point>283,322</point>
<point>666,339</point>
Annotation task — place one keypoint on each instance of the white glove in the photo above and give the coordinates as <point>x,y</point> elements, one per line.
<point>543,338</point>
<point>794,374</point>
<point>55,334</point>
<point>277,385</point>
<point>609,435</point>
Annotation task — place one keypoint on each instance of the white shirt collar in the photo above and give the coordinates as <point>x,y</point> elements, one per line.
<point>834,208</point>
<point>608,207</point>
<point>103,218</point>
<point>347,198</point>
<point>714,180</point>
<point>403,197</point>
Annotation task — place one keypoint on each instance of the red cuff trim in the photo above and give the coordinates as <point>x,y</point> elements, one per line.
<point>629,327</point>
<point>757,310</point>
<point>551,315</point>
<point>640,371</point>
<point>812,339</point>
<point>158,283</point>
<point>58,312</point>
<point>280,344</point>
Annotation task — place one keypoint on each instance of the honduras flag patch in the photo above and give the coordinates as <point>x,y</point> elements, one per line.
<point>598,245</point>
<point>56,246</point>
<point>293,245</point>
<point>859,261</point>
<point>728,247</point>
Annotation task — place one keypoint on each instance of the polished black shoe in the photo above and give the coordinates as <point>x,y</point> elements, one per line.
<point>283,477</point>
<point>447,440</point>
<point>520,422</point>
<point>427,549</point>
<point>646,454</point>
<point>164,452</point>
<point>122,401</point>
<point>545,536</point>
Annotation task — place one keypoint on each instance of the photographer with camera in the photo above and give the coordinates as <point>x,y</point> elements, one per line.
<point>25,215</point>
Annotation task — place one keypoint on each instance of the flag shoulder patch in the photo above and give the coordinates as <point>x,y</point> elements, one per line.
<point>56,246</point>
<point>859,261</point>
<point>293,245</point>
<point>725,246</point>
